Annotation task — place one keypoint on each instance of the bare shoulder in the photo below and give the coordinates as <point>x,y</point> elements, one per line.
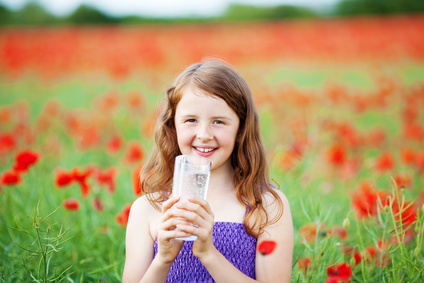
<point>141,207</point>
<point>273,206</point>
<point>142,213</point>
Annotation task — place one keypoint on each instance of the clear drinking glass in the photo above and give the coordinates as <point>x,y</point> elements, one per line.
<point>191,178</point>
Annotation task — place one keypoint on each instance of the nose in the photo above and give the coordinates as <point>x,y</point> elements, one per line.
<point>204,133</point>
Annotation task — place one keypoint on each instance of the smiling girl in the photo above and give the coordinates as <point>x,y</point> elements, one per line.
<point>209,112</point>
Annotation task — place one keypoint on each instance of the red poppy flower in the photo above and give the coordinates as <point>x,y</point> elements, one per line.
<point>288,160</point>
<point>89,137</point>
<point>337,155</point>
<point>266,247</point>
<point>348,134</point>
<point>108,101</point>
<point>85,189</point>
<point>52,108</point>
<point>365,200</point>
<point>402,181</point>
<point>420,161</point>
<point>134,154</point>
<point>378,254</point>
<point>352,252</point>
<point>408,156</point>
<point>413,131</point>
<point>81,178</point>
<point>384,162</point>
<point>308,232</point>
<point>123,215</point>
<point>339,273</point>
<point>376,137</point>
<point>10,178</point>
<point>135,101</point>
<point>24,160</point>
<point>5,115</point>
<point>98,204</point>
<point>136,180</point>
<point>63,178</point>
<point>7,142</point>
<point>114,145</point>
<point>338,231</point>
<point>71,204</point>
<point>107,178</point>
<point>304,263</point>
<point>407,213</point>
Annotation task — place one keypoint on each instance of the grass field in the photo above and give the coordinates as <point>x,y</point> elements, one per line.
<point>340,106</point>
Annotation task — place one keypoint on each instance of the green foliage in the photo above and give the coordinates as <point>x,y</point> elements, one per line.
<point>43,247</point>
<point>31,14</point>
<point>34,14</point>
<point>238,12</point>
<point>394,260</point>
<point>378,7</point>
<point>85,14</point>
<point>4,15</point>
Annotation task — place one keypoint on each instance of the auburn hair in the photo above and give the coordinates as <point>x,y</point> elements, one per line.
<point>248,159</point>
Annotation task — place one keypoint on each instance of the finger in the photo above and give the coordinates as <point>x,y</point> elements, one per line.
<point>203,203</point>
<point>193,230</point>
<point>169,203</point>
<point>171,223</point>
<point>201,219</point>
<point>169,235</point>
<point>199,209</point>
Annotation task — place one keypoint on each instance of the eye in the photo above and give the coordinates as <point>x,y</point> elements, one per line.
<point>218,122</point>
<point>190,121</point>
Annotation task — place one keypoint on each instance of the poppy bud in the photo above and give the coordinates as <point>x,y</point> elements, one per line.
<point>386,209</point>
<point>416,252</point>
<point>352,261</point>
<point>346,223</point>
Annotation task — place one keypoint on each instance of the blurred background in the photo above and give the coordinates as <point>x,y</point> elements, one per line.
<point>49,12</point>
<point>339,86</point>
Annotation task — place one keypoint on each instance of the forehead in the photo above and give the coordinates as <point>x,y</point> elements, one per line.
<point>194,100</point>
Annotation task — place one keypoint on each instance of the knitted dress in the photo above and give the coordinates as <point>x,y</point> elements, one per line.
<point>230,239</point>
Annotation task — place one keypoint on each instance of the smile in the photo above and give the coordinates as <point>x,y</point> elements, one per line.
<point>204,149</point>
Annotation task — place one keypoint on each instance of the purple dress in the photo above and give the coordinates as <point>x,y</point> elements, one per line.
<point>230,239</point>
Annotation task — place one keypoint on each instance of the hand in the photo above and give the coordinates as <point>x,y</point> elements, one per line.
<point>197,211</point>
<point>168,246</point>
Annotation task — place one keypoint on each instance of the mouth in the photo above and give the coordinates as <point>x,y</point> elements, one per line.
<point>204,149</point>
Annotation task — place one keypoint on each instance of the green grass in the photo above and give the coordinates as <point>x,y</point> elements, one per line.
<point>93,249</point>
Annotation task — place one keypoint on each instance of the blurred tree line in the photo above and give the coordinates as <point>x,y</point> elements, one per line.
<point>35,14</point>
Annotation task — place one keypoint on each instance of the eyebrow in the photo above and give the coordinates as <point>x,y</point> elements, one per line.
<point>220,118</point>
<point>212,118</point>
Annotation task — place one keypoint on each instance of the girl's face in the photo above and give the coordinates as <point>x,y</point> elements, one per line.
<point>206,126</point>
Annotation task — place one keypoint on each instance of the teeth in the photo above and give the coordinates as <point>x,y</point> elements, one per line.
<point>204,149</point>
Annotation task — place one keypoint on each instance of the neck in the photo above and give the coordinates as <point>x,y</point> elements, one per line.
<point>221,182</point>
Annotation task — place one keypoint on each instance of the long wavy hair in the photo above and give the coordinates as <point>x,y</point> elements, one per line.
<point>251,175</point>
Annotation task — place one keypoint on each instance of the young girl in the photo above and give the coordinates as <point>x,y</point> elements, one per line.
<point>209,112</point>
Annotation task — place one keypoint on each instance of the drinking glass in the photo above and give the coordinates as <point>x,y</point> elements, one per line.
<point>191,179</point>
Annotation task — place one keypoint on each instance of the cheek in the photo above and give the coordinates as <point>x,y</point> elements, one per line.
<point>183,135</point>
<point>228,138</point>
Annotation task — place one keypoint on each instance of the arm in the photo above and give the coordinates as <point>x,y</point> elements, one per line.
<point>139,262</point>
<point>277,266</point>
